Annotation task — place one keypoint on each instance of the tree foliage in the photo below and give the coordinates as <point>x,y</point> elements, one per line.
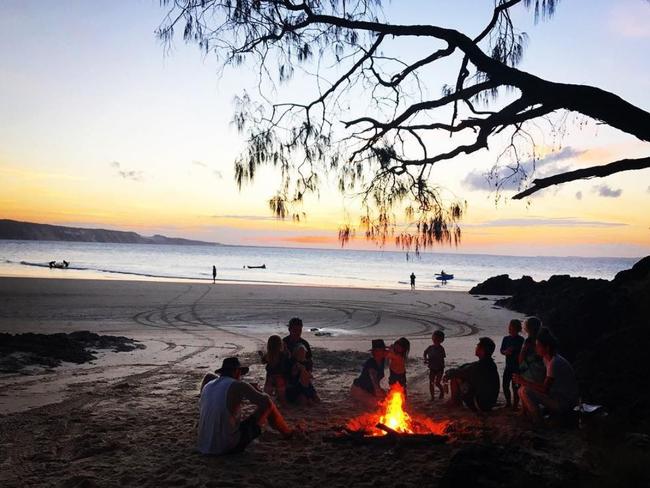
<point>372,120</point>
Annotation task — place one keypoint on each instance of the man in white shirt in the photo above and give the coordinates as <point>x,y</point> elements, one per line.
<point>221,430</point>
<point>559,391</point>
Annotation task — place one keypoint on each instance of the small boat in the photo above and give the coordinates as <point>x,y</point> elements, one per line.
<point>257,267</point>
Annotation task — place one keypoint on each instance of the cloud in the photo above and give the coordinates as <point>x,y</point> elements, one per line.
<point>216,173</point>
<point>132,175</point>
<point>546,222</point>
<point>607,192</point>
<point>244,217</point>
<point>579,195</point>
<point>563,154</point>
<point>505,179</point>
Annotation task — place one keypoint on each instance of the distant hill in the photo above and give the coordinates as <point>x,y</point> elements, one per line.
<point>28,231</point>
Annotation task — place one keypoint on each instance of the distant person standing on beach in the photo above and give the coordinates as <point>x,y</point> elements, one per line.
<point>412,281</point>
<point>214,274</point>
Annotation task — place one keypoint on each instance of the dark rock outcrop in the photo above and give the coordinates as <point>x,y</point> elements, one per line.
<point>602,326</point>
<point>20,350</point>
<point>502,285</point>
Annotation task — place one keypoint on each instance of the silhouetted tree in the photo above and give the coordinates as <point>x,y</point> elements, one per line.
<point>385,152</point>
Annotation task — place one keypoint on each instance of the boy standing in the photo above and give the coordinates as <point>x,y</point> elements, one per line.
<point>434,356</point>
<point>510,348</point>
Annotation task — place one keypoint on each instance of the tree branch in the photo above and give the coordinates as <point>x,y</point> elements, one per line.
<point>580,174</point>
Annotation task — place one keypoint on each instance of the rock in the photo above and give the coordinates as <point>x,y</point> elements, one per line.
<point>20,350</point>
<point>497,285</point>
<point>502,285</point>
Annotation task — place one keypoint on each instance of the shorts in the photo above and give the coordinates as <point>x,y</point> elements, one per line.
<point>249,430</point>
<point>435,374</point>
<point>397,378</point>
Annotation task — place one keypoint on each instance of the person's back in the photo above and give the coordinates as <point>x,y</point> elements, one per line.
<point>487,384</point>
<point>218,427</point>
<point>565,385</point>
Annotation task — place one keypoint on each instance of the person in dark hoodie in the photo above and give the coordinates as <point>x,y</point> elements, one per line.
<point>476,384</point>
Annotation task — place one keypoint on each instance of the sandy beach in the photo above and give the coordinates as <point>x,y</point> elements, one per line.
<point>129,418</point>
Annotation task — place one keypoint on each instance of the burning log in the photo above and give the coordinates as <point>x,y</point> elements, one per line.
<point>392,425</point>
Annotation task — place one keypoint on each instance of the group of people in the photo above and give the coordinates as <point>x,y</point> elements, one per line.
<point>535,376</point>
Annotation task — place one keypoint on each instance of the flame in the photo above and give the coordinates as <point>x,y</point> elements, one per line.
<point>392,414</point>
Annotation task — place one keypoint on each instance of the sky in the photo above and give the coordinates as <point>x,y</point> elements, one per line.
<point>100,126</point>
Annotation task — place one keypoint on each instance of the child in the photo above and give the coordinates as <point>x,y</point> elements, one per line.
<point>366,389</point>
<point>531,365</point>
<point>301,389</point>
<point>434,356</point>
<point>276,359</point>
<point>510,348</point>
<point>397,356</point>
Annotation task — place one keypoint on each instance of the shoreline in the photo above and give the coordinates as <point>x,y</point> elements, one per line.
<point>135,277</point>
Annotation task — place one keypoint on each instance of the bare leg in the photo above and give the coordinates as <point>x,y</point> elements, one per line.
<point>439,385</point>
<point>454,390</point>
<point>432,384</point>
<point>272,415</point>
<point>531,401</point>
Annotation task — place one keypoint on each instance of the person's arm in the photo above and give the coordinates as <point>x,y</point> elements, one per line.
<point>374,379</point>
<point>241,390</point>
<point>464,371</point>
<point>522,353</point>
<point>504,350</point>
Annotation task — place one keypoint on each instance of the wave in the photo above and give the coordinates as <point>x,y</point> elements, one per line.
<point>149,275</point>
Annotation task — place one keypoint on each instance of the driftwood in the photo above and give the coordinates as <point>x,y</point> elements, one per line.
<point>391,438</point>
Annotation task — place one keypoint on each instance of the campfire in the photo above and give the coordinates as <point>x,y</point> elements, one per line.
<point>392,422</point>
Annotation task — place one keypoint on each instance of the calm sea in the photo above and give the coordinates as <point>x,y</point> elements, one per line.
<point>366,269</point>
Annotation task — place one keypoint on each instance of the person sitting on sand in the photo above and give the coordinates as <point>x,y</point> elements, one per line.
<point>434,356</point>
<point>366,389</point>
<point>277,363</point>
<point>397,357</point>
<point>221,430</point>
<point>300,389</point>
<point>511,347</point>
<point>476,384</point>
<point>531,366</point>
<point>295,339</point>
<point>559,392</point>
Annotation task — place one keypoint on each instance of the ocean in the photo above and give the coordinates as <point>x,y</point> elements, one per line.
<point>313,267</point>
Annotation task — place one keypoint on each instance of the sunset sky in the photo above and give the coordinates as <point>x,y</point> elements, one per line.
<point>99,127</point>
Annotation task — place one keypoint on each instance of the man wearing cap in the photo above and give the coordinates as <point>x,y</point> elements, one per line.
<point>221,430</point>
<point>476,384</point>
<point>366,389</point>
<point>294,339</point>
